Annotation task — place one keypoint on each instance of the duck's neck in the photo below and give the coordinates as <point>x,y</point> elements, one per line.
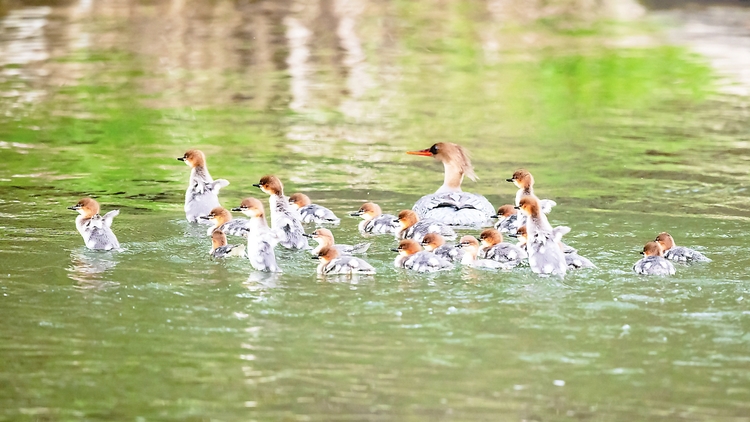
<point>526,191</point>
<point>258,222</point>
<point>201,172</point>
<point>468,258</point>
<point>451,180</point>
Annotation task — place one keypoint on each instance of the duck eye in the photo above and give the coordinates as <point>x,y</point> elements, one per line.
<point>434,149</point>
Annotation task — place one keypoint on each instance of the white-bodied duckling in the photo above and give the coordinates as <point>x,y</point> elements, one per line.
<point>202,191</point>
<point>412,257</point>
<point>493,248</point>
<point>676,253</point>
<point>411,227</point>
<point>331,262</point>
<point>524,181</point>
<point>545,254</point>
<point>220,248</point>
<point>312,213</point>
<point>222,220</point>
<point>450,205</point>
<point>324,237</point>
<point>653,261</point>
<point>470,246</point>
<point>435,243</point>
<point>260,239</point>
<point>284,220</point>
<point>374,221</point>
<point>95,229</point>
<point>507,219</point>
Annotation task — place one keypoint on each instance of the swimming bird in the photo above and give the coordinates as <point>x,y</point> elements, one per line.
<point>412,257</point>
<point>260,238</point>
<point>96,230</point>
<point>202,192</point>
<point>576,262</point>
<point>435,243</point>
<point>331,262</point>
<point>374,221</point>
<point>324,237</point>
<point>493,248</point>
<point>653,262</point>
<point>470,246</point>
<point>508,221</point>
<point>449,204</point>
<point>676,253</point>
<point>311,213</point>
<point>411,227</point>
<point>545,254</point>
<point>524,181</point>
<point>283,219</point>
<point>220,248</point>
<point>223,221</point>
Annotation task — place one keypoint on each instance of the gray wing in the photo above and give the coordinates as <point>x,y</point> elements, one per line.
<point>653,265</point>
<point>508,224</point>
<point>357,249</point>
<point>228,250</point>
<point>383,224</point>
<point>262,257</point>
<point>318,214</point>
<point>291,233</point>
<point>348,265</point>
<point>455,208</point>
<point>576,261</point>
<point>506,252</point>
<point>449,253</point>
<point>99,236</point>
<point>683,254</point>
<point>422,227</point>
<point>545,256</point>
<point>426,262</point>
<point>546,205</point>
<point>238,227</point>
<point>215,186</point>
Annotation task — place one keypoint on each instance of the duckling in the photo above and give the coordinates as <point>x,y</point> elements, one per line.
<point>470,245</point>
<point>202,192</point>
<point>283,220</point>
<point>223,221</point>
<point>412,257</point>
<point>653,262</point>
<point>331,262</point>
<point>220,248</point>
<point>311,213</point>
<point>374,221</point>
<point>493,248</point>
<point>414,228</point>
<point>545,255</point>
<point>324,237</point>
<point>508,221</point>
<point>524,181</point>
<point>449,204</point>
<point>96,230</point>
<point>260,239</point>
<point>435,243</point>
<point>676,253</point>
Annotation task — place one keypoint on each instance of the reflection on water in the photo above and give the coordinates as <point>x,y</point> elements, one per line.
<point>90,269</point>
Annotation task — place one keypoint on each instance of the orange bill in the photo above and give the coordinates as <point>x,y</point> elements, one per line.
<point>423,152</point>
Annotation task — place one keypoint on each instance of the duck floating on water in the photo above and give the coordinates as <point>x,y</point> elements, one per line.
<point>412,257</point>
<point>331,262</point>
<point>411,227</point>
<point>470,246</point>
<point>312,213</point>
<point>220,248</point>
<point>435,243</point>
<point>374,221</point>
<point>449,204</point>
<point>95,229</point>
<point>542,241</point>
<point>260,238</point>
<point>653,261</point>
<point>493,248</point>
<point>325,239</point>
<point>222,220</point>
<point>202,191</point>
<point>676,253</point>
<point>284,220</point>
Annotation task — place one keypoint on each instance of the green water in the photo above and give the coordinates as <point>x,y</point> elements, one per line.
<point>629,142</point>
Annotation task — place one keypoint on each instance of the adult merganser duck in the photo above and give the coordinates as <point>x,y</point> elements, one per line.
<point>508,221</point>
<point>202,192</point>
<point>450,205</point>
<point>470,245</point>
<point>524,181</point>
<point>412,257</point>
<point>284,220</point>
<point>331,262</point>
<point>311,213</point>
<point>435,243</point>
<point>676,253</point>
<point>414,228</point>
<point>96,230</point>
<point>260,239</point>
<point>653,262</point>
<point>374,221</point>
<point>220,248</point>
<point>324,237</point>
<point>495,249</point>
<point>223,221</point>
<point>545,254</point>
